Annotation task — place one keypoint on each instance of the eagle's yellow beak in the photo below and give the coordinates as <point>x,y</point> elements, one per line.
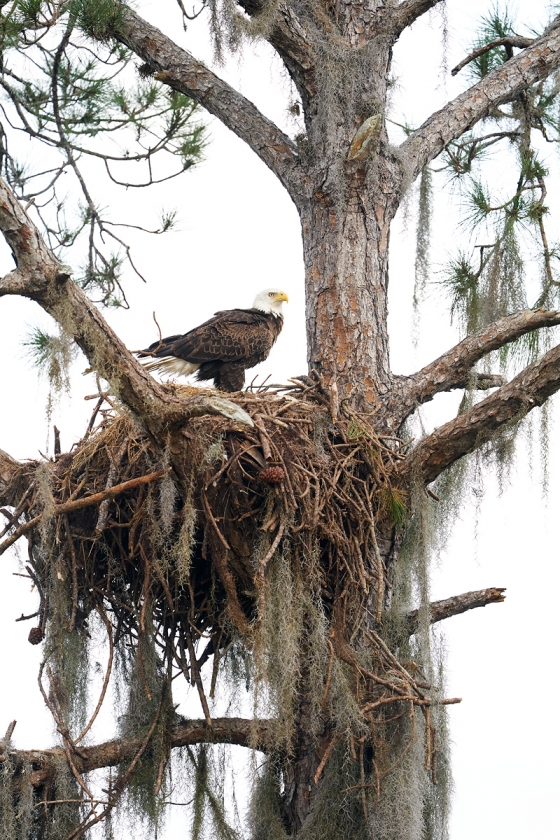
<point>282,296</point>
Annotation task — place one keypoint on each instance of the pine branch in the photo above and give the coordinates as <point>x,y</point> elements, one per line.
<point>409,11</point>
<point>40,277</point>
<point>454,368</point>
<point>239,731</point>
<point>503,84</point>
<point>440,610</point>
<point>531,388</point>
<point>182,72</point>
<point>510,41</point>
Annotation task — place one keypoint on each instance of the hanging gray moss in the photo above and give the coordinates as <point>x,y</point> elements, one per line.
<point>423,234</point>
<point>8,827</point>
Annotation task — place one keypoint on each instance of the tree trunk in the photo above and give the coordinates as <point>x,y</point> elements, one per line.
<point>350,202</point>
<point>345,252</point>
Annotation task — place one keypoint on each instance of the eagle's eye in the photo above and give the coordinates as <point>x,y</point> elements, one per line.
<point>271,294</point>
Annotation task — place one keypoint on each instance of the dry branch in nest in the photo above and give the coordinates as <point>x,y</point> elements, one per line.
<point>174,550</point>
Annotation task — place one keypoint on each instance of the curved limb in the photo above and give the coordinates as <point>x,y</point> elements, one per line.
<point>453,369</point>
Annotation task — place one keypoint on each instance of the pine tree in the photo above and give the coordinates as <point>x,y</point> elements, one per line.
<point>277,541</point>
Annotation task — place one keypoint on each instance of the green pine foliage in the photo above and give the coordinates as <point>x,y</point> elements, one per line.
<point>86,105</point>
<point>507,224</point>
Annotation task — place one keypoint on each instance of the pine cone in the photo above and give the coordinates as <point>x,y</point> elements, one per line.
<point>36,636</point>
<point>272,475</point>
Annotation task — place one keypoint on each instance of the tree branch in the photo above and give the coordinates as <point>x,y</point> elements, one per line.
<point>501,85</point>
<point>182,72</point>
<point>470,430</point>
<point>407,12</point>
<point>510,41</point>
<point>240,731</point>
<point>453,369</point>
<point>40,277</point>
<point>439,610</point>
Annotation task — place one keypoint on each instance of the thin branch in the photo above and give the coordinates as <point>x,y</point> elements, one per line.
<point>454,368</point>
<point>467,432</point>
<point>511,41</point>
<point>108,670</point>
<point>182,72</point>
<point>503,84</point>
<point>440,610</point>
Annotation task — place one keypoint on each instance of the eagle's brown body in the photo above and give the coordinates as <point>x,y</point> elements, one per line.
<point>222,348</point>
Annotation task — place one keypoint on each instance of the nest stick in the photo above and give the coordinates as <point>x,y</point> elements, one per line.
<point>326,755</point>
<point>264,563</point>
<point>380,576</point>
<point>79,504</point>
<point>263,436</point>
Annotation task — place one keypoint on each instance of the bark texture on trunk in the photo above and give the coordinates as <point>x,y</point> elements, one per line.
<point>346,279</point>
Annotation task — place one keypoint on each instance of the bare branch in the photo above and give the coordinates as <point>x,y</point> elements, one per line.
<point>439,610</point>
<point>501,85</point>
<point>40,277</point>
<point>408,11</point>
<point>182,72</point>
<point>240,731</point>
<point>511,41</point>
<point>454,368</point>
<point>470,430</point>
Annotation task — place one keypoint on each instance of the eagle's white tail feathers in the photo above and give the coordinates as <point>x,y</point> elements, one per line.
<point>170,365</point>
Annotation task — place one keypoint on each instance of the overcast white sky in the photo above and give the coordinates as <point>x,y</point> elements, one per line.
<point>239,233</point>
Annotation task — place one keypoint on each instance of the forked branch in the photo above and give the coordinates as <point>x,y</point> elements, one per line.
<point>453,369</point>
<point>440,610</point>
<point>40,277</point>
<point>503,84</point>
<point>182,72</point>
<point>535,384</point>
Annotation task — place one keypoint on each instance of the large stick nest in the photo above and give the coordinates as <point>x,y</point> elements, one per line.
<point>177,539</point>
<point>194,539</point>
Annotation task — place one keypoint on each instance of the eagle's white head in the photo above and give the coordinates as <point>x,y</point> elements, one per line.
<point>270,301</point>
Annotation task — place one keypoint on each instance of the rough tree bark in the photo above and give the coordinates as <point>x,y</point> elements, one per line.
<point>346,181</point>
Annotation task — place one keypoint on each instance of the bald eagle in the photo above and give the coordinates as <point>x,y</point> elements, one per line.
<point>225,346</point>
